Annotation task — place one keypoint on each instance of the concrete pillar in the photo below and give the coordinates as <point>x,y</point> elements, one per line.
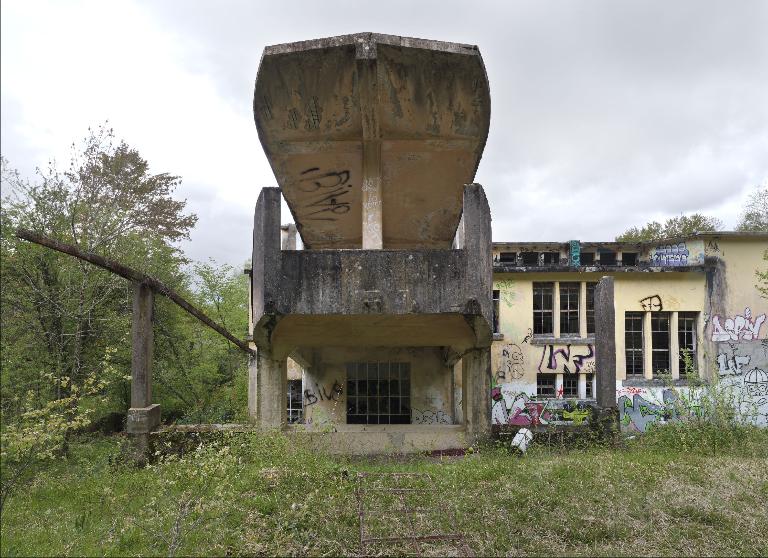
<point>271,384</point>
<point>583,309</point>
<point>647,344</point>
<point>288,237</point>
<point>605,343</point>
<point>373,226</point>
<point>253,379</point>
<point>476,393</point>
<point>674,347</point>
<point>143,416</point>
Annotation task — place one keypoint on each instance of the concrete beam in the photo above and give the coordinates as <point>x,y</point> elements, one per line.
<point>605,343</point>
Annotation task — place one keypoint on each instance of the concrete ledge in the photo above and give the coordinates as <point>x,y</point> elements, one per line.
<point>378,439</point>
<point>142,420</point>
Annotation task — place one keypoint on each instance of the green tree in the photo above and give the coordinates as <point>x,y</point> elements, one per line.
<point>683,225</point>
<point>755,214</point>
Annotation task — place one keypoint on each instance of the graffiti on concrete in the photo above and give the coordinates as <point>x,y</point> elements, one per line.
<point>644,408</point>
<point>528,336</point>
<point>741,327</point>
<point>430,417</point>
<point>578,414</point>
<point>565,360</point>
<point>732,365</point>
<point>672,255</point>
<point>511,363</point>
<point>328,189</point>
<point>321,393</point>
<point>750,394</point>
<point>506,289</point>
<point>516,408</point>
<point>652,303</point>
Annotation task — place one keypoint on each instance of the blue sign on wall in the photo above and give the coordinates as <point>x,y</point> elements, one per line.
<point>575,247</point>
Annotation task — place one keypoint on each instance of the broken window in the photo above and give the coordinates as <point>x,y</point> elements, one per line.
<point>633,343</point>
<point>629,258</point>
<point>550,258</point>
<point>569,309</point>
<point>530,258</point>
<point>686,335</point>
<point>587,258</point>
<point>660,343</point>
<point>508,257</point>
<point>379,393</point>
<point>496,311</point>
<point>542,308</point>
<point>570,385</point>
<point>295,402</point>
<point>607,258</point>
<point>591,308</point>
<point>545,385</point>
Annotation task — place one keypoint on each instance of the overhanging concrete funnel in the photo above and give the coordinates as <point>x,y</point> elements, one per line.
<point>372,137</point>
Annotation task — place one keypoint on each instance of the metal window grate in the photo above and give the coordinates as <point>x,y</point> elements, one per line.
<point>545,385</point>
<point>379,393</point>
<point>660,343</point>
<point>569,308</point>
<point>542,308</point>
<point>633,343</point>
<point>295,402</point>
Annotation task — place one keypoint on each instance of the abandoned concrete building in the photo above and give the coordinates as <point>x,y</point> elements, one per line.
<point>400,327</point>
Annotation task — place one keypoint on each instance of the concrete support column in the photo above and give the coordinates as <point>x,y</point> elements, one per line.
<point>270,390</point>
<point>674,347</point>
<point>605,343</point>
<point>143,416</point>
<point>476,393</point>
<point>556,309</point>
<point>373,226</point>
<point>253,382</point>
<point>583,309</point>
<point>647,344</point>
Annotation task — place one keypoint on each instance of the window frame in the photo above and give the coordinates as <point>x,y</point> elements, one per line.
<point>589,310</point>
<point>539,326</point>
<point>687,324</point>
<point>295,412</point>
<point>566,314</point>
<point>374,400</point>
<point>640,317</point>
<point>657,350</point>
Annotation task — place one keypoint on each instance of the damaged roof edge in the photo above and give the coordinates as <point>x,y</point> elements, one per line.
<point>750,235</point>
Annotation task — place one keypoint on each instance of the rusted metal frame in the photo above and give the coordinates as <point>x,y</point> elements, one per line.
<point>132,275</point>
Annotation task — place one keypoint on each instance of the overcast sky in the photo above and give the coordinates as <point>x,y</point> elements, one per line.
<point>605,114</point>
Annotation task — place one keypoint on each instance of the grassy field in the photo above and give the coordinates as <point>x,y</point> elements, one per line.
<point>259,494</point>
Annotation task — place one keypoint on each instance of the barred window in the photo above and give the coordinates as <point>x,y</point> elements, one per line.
<point>591,308</point>
<point>660,343</point>
<point>542,308</point>
<point>295,402</point>
<point>379,393</point>
<point>570,385</point>
<point>633,343</point>
<point>569,308</point>
<point>686,335</point>
<point>545,385</point>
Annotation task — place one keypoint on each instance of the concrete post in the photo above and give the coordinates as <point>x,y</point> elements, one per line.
<point>271,390</point>
<point>476,393</point>
<point>253,383</point>
<point>605,343</point>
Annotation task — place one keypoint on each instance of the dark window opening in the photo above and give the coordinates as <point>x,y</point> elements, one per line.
<point>496,311</point>
<point>633,343</point>
<point>570,385</point>
<point>545,385</point>
<point>686,335</point>
<point>295,402</point>
<point>607,258</point>
<point>530,258</point>
<point>508,257</point>
<point>590,381</point>
<point>587,258</point>
<point>542,308</point>
<point>629,258</point>
<point>379,393</point>
<point>550,258</point>
<point>591,308</point>
<point>569,309</point>
<point>660,343</point>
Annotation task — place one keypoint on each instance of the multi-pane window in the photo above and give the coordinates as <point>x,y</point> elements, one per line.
<point>633,342</point>
<point>496,311</point>
<point>590,311</point>
<point>542,308</point>
<point>569,309</point>
<point>545,385</point>
<point>570,385</point>
<point>295,402</point>
<point>587,258</point>
<point>590,381</point>
<point>660,343</point>
<point>686,335</point>
<point>550,258</point>
<point>379,393</point>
